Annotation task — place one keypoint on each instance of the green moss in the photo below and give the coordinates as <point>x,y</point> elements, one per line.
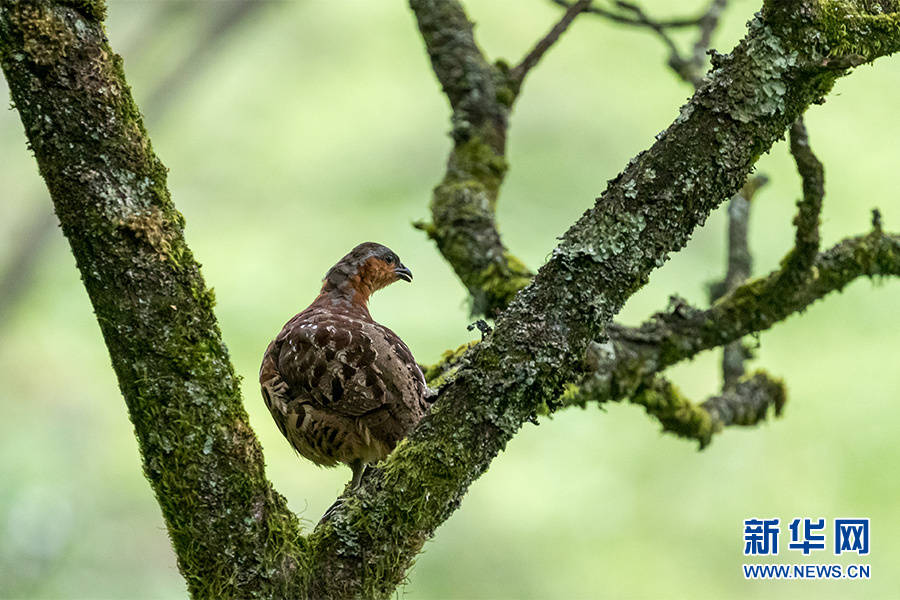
<point>463,208</point>
<point>572,395</point>
<point>476,159</point>
<point>44,38</point>
<point>442,372</point>
<point>502,279</point>
<point>851,32</point>
<point>233,535</point>
<point>676,412</point>
<point>506,96</point>
<point>95,9</point>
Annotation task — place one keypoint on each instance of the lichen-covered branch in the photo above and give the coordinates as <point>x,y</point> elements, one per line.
<point>233,534</point>
<point>539,342</point>
<point>618,367</point>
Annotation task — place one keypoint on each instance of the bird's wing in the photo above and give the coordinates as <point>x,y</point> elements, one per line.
<point>348,365</point>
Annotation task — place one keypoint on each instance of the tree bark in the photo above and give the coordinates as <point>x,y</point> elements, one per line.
<point>233,534</point>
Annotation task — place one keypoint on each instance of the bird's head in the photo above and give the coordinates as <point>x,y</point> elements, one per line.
<point>364,270</point>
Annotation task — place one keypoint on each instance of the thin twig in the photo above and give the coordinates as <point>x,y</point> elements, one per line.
<point>689,69</point>
<point>709,22</point>
<point>617,17</point>
<point>810,206</point>
<point>641,18</point>
<point>740,264</point>
<point>518,73</point>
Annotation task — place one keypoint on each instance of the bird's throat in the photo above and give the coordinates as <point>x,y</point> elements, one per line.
<point>351,291</point>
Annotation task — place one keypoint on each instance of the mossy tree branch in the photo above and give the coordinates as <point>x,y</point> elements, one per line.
<point>539,342</point>
<point>806,243</point>
<point>517,74</point>
<point>631,357</point>
<point>746,403</point>
<point>233,534</point>
<point>463,205</point>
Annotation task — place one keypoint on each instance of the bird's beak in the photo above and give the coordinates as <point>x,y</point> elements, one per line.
<point>403,273</point>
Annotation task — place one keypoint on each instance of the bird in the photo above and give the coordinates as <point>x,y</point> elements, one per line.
<point>342,388</point>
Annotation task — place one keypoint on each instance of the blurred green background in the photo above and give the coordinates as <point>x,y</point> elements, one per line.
<point>316,125</point>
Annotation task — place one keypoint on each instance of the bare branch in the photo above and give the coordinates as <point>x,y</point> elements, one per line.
<point>658,27</point>
<point>709,22</point>
<point>740,263</point>
<point>689,69</point>
<point>618,17</point>
<point>518,73</point>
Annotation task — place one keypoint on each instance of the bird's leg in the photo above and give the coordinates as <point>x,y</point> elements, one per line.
<point>358,467</point>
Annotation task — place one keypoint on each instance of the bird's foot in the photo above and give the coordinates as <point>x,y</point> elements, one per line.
<point>333,509</point>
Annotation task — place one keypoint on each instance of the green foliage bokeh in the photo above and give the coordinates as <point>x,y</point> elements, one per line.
<point>317,125</point>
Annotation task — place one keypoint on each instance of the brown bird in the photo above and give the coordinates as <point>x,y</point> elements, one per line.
<point>341,387</point>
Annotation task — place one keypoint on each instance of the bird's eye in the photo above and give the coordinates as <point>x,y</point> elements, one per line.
<point>389,260</point>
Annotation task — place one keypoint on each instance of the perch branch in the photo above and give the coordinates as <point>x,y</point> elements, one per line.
<point>156,316</point>
<point>539,341</point>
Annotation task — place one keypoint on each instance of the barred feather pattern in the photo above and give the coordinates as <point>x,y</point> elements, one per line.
<point>340,386</point>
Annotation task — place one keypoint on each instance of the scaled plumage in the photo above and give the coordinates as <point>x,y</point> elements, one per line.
<point>341,387</point>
